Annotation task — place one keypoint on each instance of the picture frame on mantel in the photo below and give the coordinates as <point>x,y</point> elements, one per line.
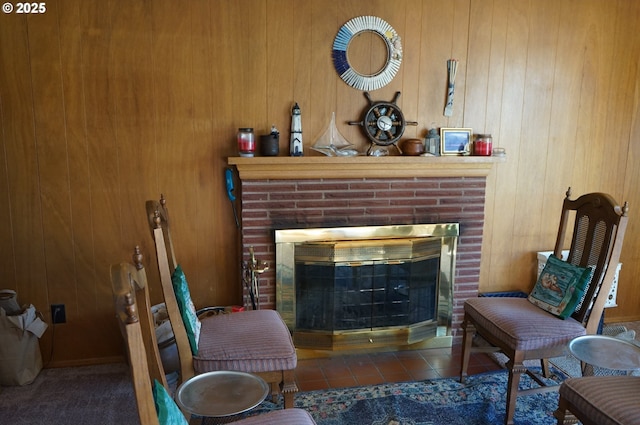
<point>455,141</point>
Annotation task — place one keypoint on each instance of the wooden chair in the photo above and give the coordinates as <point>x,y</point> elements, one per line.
<point>523,331</point>
<point>133,311</point>
<point>600,400</point>
<point>256,341</point>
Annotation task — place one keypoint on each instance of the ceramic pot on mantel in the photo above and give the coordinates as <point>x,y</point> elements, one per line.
<point>412,147</point>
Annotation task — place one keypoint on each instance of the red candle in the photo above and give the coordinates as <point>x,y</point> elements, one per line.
<point>246,142</point>
<point>482,145</point>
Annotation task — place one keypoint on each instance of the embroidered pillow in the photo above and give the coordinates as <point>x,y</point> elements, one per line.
<point>167,409</point>
<point>187,309</point>
<point>560,287</point>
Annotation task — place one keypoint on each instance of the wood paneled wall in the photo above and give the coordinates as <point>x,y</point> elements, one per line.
<point>105,104</point>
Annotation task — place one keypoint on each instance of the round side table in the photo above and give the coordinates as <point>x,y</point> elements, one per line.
<point>606,352</point>
<point>222,393</point>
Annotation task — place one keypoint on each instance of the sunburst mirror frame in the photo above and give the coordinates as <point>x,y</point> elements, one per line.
<point>351,29</point>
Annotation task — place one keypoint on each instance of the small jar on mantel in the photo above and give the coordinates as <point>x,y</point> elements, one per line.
<point>482,145</point>
<point>246,142</point>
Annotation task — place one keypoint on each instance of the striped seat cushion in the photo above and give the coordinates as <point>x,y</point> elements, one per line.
<point>249,341</point>
<point>520,324</point>
<point>605,400</point>
<point>280,417</point>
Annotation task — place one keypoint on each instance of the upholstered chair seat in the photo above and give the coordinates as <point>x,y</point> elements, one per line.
<point>269,348</point>
<point>602,400</point>
<point>521,325</point>
<point>280,417</point>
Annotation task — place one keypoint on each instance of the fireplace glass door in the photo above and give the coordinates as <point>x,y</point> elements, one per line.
<point>357,285</point>
<point>365,295</point>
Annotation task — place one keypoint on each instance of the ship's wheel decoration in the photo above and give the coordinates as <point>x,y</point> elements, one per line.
<point>383,122</point>
<point>355,27</point>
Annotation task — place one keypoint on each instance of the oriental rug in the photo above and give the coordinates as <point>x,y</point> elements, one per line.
<point>480,401</point>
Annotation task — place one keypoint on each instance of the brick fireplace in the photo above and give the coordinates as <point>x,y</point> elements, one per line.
<point>272,200</point>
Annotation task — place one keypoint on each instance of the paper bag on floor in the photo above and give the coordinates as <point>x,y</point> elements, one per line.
<point>20,358</point>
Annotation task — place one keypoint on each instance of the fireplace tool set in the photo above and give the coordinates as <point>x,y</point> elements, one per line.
<point>250,276</point>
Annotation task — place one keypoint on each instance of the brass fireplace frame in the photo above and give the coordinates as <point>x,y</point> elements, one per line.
<point>431,334</point>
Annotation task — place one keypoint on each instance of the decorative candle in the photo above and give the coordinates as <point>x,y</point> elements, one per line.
<point>246,142</point>
<point>482,145</point>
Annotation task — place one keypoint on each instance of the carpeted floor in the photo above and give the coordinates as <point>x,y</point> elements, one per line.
<point>72,396</point>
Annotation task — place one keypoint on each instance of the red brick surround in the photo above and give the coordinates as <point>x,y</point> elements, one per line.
<point>270,204</point>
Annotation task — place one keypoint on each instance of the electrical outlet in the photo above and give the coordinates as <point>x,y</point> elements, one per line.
<point>58,314</point>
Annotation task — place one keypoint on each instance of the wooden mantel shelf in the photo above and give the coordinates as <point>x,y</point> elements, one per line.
<point>323,167</point>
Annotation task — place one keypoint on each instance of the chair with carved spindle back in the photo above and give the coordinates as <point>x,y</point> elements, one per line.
<point>255,341</point>
<point>566,302</point>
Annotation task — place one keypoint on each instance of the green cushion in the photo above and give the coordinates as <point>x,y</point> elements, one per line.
<point>187,309</point>
<point>168,411</point>
<point>560,287</point>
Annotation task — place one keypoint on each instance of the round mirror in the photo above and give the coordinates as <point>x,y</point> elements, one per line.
<point>367,53</point>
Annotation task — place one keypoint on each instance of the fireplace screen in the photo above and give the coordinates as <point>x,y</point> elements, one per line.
<point>340,288</point>
<point>363,293</point>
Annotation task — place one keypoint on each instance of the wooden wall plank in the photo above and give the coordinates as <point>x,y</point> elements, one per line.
<point>503,214</point>
<point>53,165</point>
<point>70,23</point>
<point>476,94</point>
<point>132,63</point>
<point>623,73</point>
<point>412,78</point>
<point>223,143</point>
<point>316,111</point>
<point>629,297</point>
<point>19,190</point>
<point>566,89</point>
<point>437,26</point>
<point>303,73</point>
<point>280,73</point>
<point>102,158</point>
<point>543,22</point>
<point>26,271</point>
<point>494,90</point>
<point>202,87</point>
<point>173,94</point>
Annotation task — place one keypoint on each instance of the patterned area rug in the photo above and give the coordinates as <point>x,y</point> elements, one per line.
<point>480,401</point>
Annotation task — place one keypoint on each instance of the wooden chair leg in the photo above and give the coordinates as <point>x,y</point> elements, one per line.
<point>195,420</point>
<point>289,388</point>
<point>515,370</point>
<point>468,331</point>
<point>559,414</point>
<point>563,415</point>
<point>544,365</point>
<point>275,390</point>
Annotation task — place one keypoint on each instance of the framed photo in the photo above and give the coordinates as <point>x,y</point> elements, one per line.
<point>455,141</point>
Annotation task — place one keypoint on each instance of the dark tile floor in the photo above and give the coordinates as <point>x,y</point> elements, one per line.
<point>349,370</point>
